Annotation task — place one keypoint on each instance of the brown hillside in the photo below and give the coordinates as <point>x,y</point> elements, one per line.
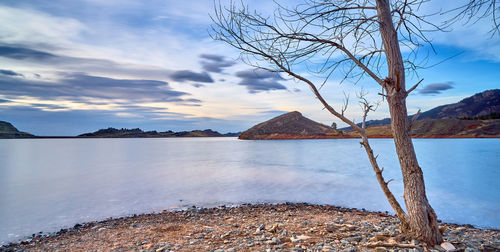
<point>291,125</point>
<point>442,128</point>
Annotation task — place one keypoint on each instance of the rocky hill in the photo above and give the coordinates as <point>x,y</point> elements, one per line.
<point>7,130</point>
<point>130,133</point>
<point>441,128</point>
<point>485,105</point>
<point>291,125</point>
<point>473,117</point>
<point>482,106</point>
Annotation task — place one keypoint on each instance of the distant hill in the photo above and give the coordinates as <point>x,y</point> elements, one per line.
<point>7,130</point>
<point>291,125</point>
<point>483,106</point>
<point>473,117</point>
<point>130,133</point>
<point>441,128</point>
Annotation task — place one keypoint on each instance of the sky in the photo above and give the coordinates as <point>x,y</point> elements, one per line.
<point>71,67</point>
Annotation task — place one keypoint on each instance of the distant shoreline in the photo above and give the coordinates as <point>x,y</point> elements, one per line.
<point>306,137</point>
<point>277,138</point>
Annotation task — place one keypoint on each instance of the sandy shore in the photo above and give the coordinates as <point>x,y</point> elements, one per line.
<point>283,227</point>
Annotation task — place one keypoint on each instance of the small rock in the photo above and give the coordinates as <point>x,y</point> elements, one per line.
<point>303,237</point>
<point>194,241</point>
<point>274,228</point>
<point>379,237</point>
<point>327,248</point>
<point>284,233</point>
<point>147,246</point>
<point>274,241</point>
<point>448,246</point>
<point>439,248</point>
<point>351,249</point>
<point>162,249</point>
<point>354,239</point>
<point>330,227</point>
<point>226,235</point>
<point>470,250</point>
<point>380,249</point>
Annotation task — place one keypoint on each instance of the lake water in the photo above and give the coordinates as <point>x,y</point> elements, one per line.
<point>48,184</point>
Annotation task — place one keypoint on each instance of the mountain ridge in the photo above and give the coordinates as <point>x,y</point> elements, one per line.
<point>7,130</point>
<point>472,117</point>
<point>484,105</point>
<point>138,133</point>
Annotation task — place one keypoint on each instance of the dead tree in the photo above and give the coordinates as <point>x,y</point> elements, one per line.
<point>354,39</point>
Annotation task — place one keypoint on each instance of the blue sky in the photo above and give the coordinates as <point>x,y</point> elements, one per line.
<point>70,67</point>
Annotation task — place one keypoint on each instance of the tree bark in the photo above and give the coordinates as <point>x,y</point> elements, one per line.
<point>422,220</point>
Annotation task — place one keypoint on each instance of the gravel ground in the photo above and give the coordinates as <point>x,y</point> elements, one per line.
<point>282,227</point>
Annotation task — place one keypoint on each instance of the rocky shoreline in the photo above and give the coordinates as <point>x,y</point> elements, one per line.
<point>263,227</point>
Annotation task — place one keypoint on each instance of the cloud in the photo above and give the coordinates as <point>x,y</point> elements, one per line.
<point>99,66</point>
<point>215,63</point>
<point>197,85</point>
<point>28,25</point>
<point>76,86</point>
<point>436,88</point>
<point>10,73</point>
<point>24,53</point>
<point>257,80</point>
<point>187,75</point>
<point>67,63</point>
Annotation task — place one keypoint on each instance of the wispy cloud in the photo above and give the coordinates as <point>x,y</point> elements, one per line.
<point>22,53</point>
<point>188,75</point>
<point>10,73</point>
<point>257,80</point>
<point>215,63</point>
<point>90,92</point>
<point>436,88</point>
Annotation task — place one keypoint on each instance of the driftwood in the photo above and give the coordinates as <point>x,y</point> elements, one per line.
<point>390,245</point>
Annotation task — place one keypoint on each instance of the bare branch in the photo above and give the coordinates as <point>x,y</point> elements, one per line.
<point>475,10</point>
<point>346,103</point>
<point>366,106</point>
<point>413,88</point>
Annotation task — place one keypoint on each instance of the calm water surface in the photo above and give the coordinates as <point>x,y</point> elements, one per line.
<point>48,184</point>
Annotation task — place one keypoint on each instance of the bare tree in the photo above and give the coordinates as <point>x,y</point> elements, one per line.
<point>353,39</point>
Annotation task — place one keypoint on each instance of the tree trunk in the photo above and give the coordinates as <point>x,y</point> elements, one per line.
<point>422,220</point>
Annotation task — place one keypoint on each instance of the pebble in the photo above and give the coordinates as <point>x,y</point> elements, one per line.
<point>274,241</point>
<point>354,239</point>
<point>350,249</point>
<point>448,246</point>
